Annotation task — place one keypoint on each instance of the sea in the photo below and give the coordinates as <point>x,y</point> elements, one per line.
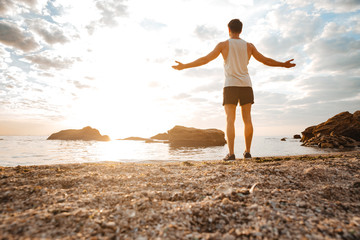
<point>36,150</point>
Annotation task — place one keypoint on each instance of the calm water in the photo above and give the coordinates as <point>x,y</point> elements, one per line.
<point>35,150</point>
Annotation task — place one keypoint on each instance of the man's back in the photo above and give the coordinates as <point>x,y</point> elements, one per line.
<point>235,65</point>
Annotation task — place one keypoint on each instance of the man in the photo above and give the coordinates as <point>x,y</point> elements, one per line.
<point>237,88</point>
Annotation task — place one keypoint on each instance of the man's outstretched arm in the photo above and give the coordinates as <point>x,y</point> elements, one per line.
<point>201,61</point>
<point>268,61</point>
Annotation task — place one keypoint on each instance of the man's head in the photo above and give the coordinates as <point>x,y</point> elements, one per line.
<point>235,26</point>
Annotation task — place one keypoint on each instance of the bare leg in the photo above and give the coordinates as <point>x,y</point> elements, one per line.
<point>248,127</point>
<point>230,110</point>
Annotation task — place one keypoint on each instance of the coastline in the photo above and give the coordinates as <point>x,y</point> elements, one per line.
<point>307,196</point>
<point>27,151</point>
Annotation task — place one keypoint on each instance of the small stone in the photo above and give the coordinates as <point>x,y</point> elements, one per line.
<point>141,238</point>
<point>110,224</point>
<point>301,204</point>
<point>227,236</point>
<point>238,232</point>
<point>225,201</point>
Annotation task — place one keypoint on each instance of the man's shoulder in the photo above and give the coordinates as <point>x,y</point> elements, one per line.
<point>223,44</point>
<point>250,45</point>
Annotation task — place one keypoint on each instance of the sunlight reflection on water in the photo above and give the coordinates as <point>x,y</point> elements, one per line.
<point>34,150</point>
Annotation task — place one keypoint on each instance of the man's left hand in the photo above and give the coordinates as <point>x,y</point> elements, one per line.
<point>180,66</point>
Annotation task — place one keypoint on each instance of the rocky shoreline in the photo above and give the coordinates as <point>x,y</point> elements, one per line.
<point>340,131</point>
<point>299,197</point>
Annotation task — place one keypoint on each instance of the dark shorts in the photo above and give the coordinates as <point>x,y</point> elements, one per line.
<point>235,95</point>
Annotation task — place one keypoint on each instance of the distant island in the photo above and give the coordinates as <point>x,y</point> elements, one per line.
<point>85,134</point>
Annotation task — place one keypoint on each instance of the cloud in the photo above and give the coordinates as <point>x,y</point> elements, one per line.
<point>31,3</point>
<point>338,54</point>
<point>207,32</point>
<point>328,88</point>
<point>198,100</point>
<point>4,57</point>
<point>11,35</point>
<point>214,86</point>
<point>180,52</point>
<point>46,61</point>
<point>13,81</point>
<point>111,10</point>
<point>331,29</point>
<point>91,27</point>
<point>182,96</point>
<point>14,7</point>
<point>205,73</point>
<point>46,74</point>
<point>276,109</point>
<point>270,99</point>
<point>51,33</point>
<point>281,78</point>
<point>335,6</point>
<point>284,31</point>
<point>152,25</point>
<point>5,5</point>
<point>354,23</point>
<point>80,85</point>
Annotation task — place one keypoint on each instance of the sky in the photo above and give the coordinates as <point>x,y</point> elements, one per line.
<point>68,64</point>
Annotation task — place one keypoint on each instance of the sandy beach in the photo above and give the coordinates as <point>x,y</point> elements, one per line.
<point>299,197</point>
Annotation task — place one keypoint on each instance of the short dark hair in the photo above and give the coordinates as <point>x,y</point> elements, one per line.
<point>235,26</point>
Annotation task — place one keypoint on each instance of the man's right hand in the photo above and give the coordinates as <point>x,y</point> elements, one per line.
<point>288,64</point>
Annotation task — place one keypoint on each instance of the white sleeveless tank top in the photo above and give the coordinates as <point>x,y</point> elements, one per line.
<point>235,66</point>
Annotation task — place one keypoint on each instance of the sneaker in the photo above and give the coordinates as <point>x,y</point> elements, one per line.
<point>229,157</point>
<point>247,155</point>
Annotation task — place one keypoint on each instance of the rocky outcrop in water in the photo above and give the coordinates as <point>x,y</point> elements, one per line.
<point>135,139</point>
<point>184,136</point>
<point>297,136</point>
<point>86,134</point>
<point>340,131</point>
<point>161,136</point>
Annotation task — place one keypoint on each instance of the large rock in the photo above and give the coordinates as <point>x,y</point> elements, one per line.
<point>86,134</point>
<point>184,136</point>
<point>161,136</point>
<point>342,130</point>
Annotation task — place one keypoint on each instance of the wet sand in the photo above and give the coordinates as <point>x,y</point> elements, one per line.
<point>299,197</point>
